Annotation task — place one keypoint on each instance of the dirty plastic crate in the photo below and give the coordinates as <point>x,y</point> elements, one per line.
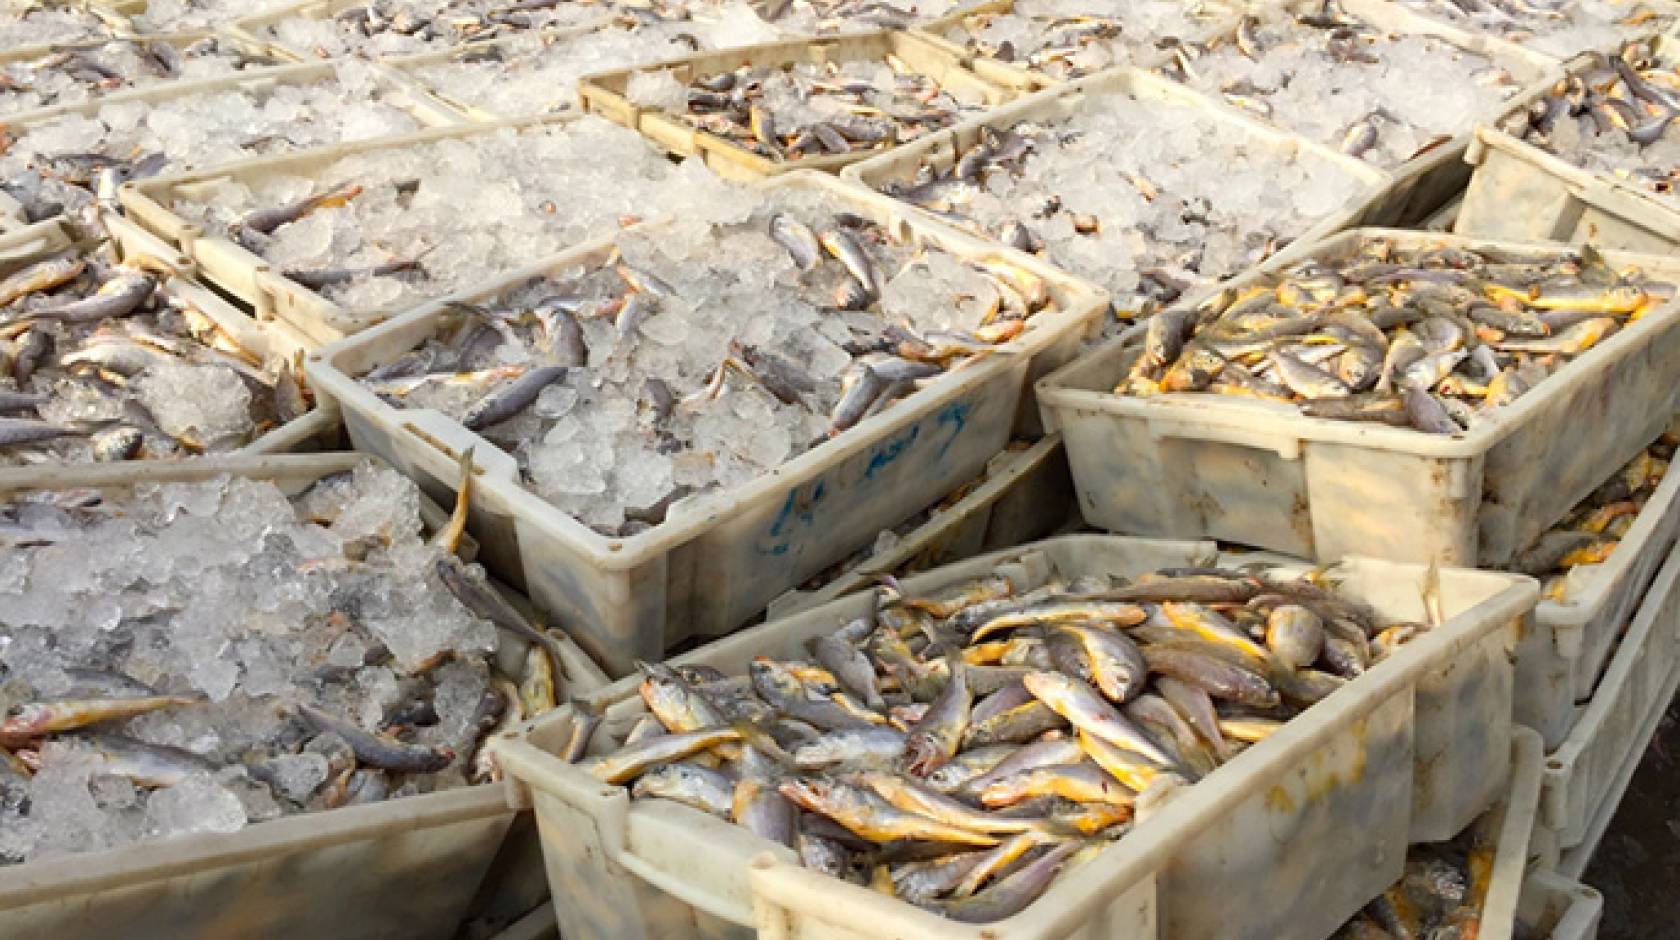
<point>247,277</point>
<point>318,430</point>
<point>1316,814</point>
<point>1519,191</point>
<point>1610,734</point>
<point>1061,102</point>
<point>1559,662</point>
<point>1425,183</point>
<point>408,66</point>
<point>1554,907</point>
<point>1514,827</point>
<point>604,93</point>
<point>1260,473</point>
<point>722,557</point>
<point>1025,496</point>
<point>1022,79</point>
<point>407,867</point>
<point>254,28</point>
<point>403,97</point>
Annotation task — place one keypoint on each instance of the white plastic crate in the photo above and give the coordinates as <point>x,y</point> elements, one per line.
<point>1317,813</point>
<point>1260,473</point>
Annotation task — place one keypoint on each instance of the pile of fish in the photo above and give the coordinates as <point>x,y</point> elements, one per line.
<point>1440,897</point>
<point>394,27</point>
<point>1564,556</point>
<point>957,751</point>
<point>388,227</point>
<point>192,657</point>
<point>1615,117</point>
<point>102,362</point>
<point>30,24</point>
<point>1337,80</point>
<point>72,162</point>
<point>1148,216</point>
<point>705,352</point>
<point>76,73</point>
<point>1069,39</point>
<point>1559,28</point>
<point>799,110</point>
<point>1431,338</point>
<point>533,73</point>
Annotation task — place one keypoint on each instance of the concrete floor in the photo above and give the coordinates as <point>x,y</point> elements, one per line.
<point>1637,866</point>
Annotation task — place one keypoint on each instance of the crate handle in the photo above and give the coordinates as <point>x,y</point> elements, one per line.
<point>1287,447</point>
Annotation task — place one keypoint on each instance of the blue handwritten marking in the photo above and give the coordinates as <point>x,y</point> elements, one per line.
<point>955,415</point>
<point>890,452</point>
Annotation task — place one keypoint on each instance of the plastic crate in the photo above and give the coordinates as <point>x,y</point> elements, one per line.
<point>1554,907</point>
<point>1064,102</point>
<point>604,93</point>
<point>1260,473</point>
<point>408,867</point>
<point>1559,663</point>
<point>1319,813</point>
<point>248,278</point>
<point>1585,777</point>
<point>1024,496</point>
<point>720,559</point>
<point>1519,191</point>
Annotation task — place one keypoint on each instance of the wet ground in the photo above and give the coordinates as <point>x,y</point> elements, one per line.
<point>1637,867</point>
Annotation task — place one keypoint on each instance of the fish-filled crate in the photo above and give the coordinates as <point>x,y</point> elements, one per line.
<point>537,73</point>
<point>24,26</point>
<point>1473,882</point>
<point>1378,755</point>
<point>819,104</point>
<point>1560,29</point>
<point>71,158</point>
<point>1595,566</point>
<point>1401,96</point>
<point>1025,494</point>
<point>681,422</point>
<point>337,239</point>
<point>1028,45</point>
<point>330,29</point>
<point>46,76</point>
<point>1592,158</point>
<point>1146,188</point>
<point>1527,375</point>
<point>108,361</point>
<point>1587,774</point>
<point>213,619</point>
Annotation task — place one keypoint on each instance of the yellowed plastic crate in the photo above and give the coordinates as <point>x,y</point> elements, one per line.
<point>1586,776</point>
<point>1554,907</point>
<point>605,94</point>
<point>1663,14</point>
<point>409,867</point>
<point>1559,663</point>
<point>1260,473</point>
<point>256,27</point>
<point>1513,824</point>
<point>1318,813</point>
<point>1020,79</point>
<point>1063,102</point>
<point>318,430</point>
<point>1520,192</point>
<point>1025,495</point>
<point>718,561</point>
<point>149,204</point>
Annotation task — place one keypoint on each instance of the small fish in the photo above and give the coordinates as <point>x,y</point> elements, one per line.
<point>32,720</point>
<point>377,750</point>
<point>795,236</point>
<point>265,221</point>
<point>631,762</point>
<point>1086,710</point>
<point>509,400</point>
